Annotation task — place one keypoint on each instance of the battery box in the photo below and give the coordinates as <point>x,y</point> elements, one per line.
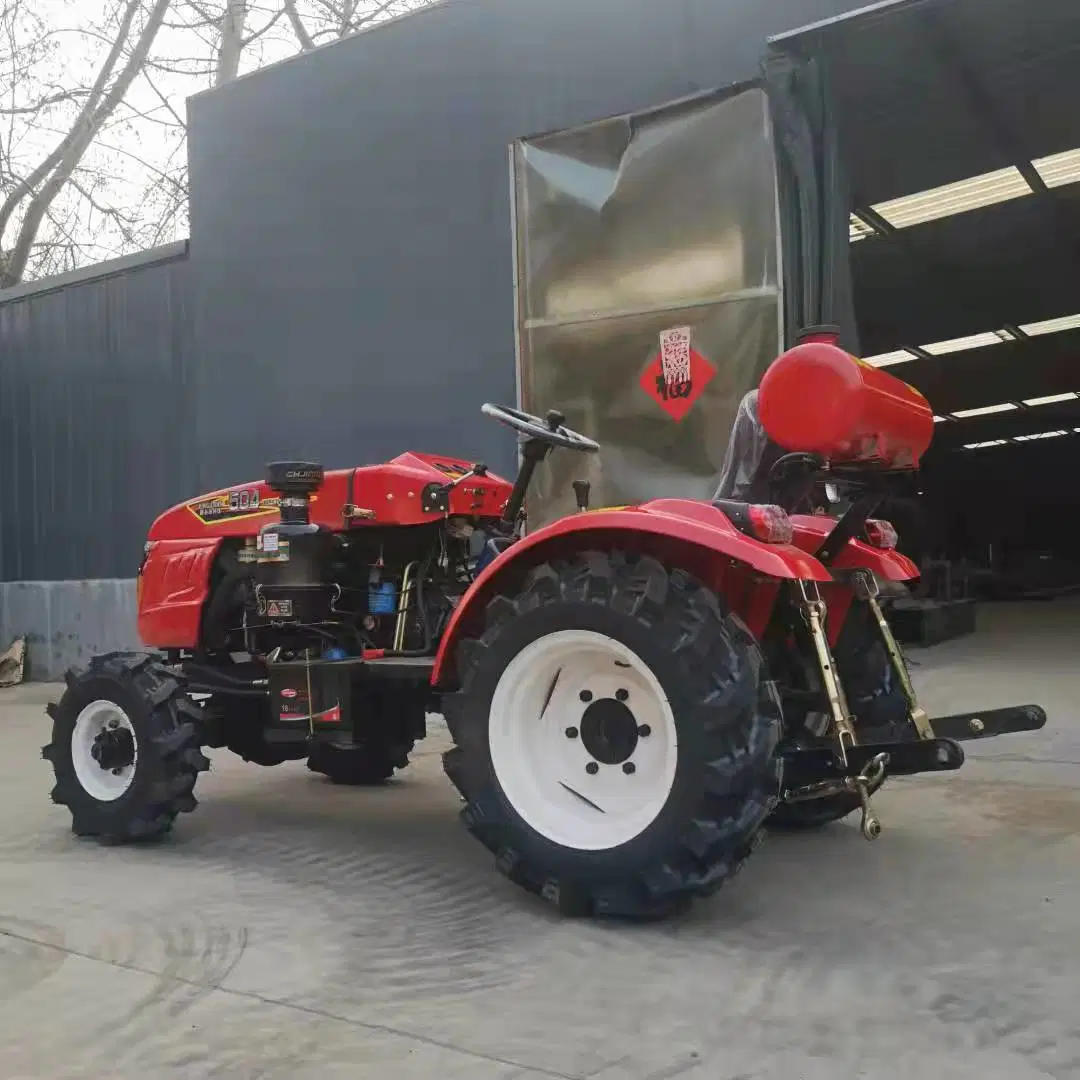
<point>312,698</point>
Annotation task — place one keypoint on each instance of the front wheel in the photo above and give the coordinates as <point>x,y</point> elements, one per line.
<point>615,734</point>
<point>126,748</point>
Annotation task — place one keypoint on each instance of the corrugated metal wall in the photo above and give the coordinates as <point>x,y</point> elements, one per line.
<point>95,415</point>
<point>350,288</point>
<point>351,238</point>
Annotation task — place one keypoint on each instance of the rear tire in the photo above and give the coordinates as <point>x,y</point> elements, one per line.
<point>388,721</point>
<point>126,748</point>
<point>878,703</point>
<point>360,767</point>
<point>615,737</point>
<point>239,724</point>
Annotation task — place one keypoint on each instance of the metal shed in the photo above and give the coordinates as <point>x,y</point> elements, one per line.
<point>350,284</point>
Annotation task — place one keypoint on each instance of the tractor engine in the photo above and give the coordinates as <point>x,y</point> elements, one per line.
<point>292,579</point>
<point>313,593</point>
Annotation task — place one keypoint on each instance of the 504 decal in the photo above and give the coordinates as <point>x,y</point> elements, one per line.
<point>246,499</point>
<point>229,505</point>
<point>234,504</point>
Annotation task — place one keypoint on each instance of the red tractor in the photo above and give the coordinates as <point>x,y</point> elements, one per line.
<point>633,692</point>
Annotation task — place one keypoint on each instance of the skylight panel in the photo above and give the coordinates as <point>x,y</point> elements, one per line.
<point>971,341</point>
<point>886,359</point>
<point>1050,399</point>
<point>1057,170</point>
<point>1039,435</point>
<point>985,410</point>
<point>1052,326</point>
<point>958,198</point>
<point>859,229</point>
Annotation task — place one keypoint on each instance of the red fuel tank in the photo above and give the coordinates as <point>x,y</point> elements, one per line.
<point>820,399</point>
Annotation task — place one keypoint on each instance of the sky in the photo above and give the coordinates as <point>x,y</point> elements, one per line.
<point>138,162</point>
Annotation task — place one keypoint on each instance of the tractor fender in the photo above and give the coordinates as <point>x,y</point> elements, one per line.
<point>678,532</point>
<point>173,585</point>
<point>811,530</point>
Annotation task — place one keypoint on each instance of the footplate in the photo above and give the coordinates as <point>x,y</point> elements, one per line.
<point>990,723</point>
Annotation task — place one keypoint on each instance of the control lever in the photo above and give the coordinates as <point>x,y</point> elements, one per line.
<point>479,469</point>
<point>581,491</point>
<point>436,497</point>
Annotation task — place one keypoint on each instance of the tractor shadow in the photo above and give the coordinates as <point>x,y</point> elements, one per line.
<point>263,820</point>
<point>946,846</point>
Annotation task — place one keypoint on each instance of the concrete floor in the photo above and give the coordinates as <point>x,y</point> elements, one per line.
<point>294,930</point>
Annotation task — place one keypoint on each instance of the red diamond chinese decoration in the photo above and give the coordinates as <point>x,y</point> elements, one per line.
<point>676,396</point>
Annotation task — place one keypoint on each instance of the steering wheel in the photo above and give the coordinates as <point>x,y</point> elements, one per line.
<point>550,430</point>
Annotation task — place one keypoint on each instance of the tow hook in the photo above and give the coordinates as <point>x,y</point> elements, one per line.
<point>870,777</point>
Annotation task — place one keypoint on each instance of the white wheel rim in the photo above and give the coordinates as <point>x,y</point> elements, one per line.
<point>100,720</point>
<point>555,781</point>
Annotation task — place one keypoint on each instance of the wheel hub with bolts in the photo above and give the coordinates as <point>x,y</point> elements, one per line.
<point>583,739</point>
<point>114,748</point>
<point>609,731</point>
<point>104,750</point>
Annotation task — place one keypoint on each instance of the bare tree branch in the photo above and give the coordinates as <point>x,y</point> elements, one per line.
<point>93,157</point>
<point>232,41</point>
<point>299,29</point>
<point>42,103</point>
<point>57,167</point>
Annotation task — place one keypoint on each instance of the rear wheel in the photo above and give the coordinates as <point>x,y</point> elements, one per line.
<point>126,748</point>
<point>366,765</point>
<point>239,725</point>
<point>615,734</point>
<point>387,723</point>
<point>877,702</point>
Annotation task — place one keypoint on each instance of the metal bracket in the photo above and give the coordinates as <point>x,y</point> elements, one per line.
<point>435,498</point>
<point>866,588</point>
<point>813,611</point>
<point>350,511</point>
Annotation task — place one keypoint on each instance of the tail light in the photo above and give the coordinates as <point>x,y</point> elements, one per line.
<point>880,534</point>
<point>762,521</point>
<point>770,523</point>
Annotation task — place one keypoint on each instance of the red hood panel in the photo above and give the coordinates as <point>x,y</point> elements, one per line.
<point>387,494</point>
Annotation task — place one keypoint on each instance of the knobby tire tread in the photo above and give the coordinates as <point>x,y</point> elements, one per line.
<point>721,687</point>
<point>169,734</point>
<point>373,763</point>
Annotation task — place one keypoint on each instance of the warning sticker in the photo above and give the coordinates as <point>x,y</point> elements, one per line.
<point>677,374</point>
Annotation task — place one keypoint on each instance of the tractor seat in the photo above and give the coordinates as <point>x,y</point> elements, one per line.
<point>744,474</point>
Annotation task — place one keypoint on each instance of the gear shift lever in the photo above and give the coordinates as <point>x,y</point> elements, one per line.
<point>581,491</point>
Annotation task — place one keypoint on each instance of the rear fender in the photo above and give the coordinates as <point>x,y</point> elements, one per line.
<point>810,531</point>
<point>173,586</point>
<point>686,533</point>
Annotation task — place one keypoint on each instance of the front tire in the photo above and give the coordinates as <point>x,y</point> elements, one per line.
<point>126,748</point>
<point>615,734</point>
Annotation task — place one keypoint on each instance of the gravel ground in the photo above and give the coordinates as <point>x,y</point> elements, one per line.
<point>290,929</point>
